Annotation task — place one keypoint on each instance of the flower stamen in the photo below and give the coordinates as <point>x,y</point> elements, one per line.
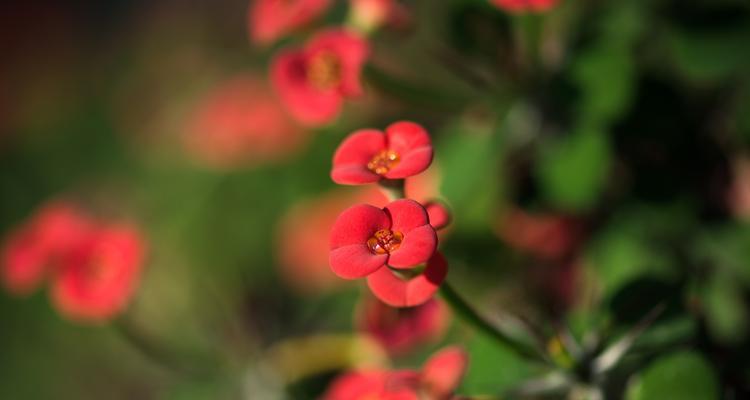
<point>385,241</point>
<point>324,70</point>
<point>383,162</point>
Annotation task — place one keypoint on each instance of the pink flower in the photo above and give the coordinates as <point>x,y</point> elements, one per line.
<point>365,238</point>
<point>438,380</point>
<point>269,20</point>
<point>521,6</point>
<point>314,81</point>
<point>240,122</point>
<point>98,277</point>
<point>35,248</point>
<point>369,155</point>
<point>409,289</point>
<point>399,330</point>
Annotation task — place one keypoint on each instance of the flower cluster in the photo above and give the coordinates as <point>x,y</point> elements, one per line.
<point>93,267</point>
<point>437,380</point>
<point>394,247</point>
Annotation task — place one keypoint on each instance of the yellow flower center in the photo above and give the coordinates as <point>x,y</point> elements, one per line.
<point>383,162</point>
<point>385,241</point>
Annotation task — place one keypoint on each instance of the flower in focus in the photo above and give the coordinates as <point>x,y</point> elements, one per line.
<point>35,248</point>
<point>269,20</point>
<point>547,236</point>
<point>411,287</point>
<point>399,330</point>
<point>238,122</point>
<point>364,238</point>
<point>314,81</point>
<point>438,380</point>
<point>369,155</point>
<point>302,251</point>
<point>97,278</point>
<point>521,6</point>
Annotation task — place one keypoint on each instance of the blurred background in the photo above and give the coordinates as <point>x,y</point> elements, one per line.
<point>594,156</point>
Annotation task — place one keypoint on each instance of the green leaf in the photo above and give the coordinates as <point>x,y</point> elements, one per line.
<point>684,375</point>
<point>493,368</point>
<point>725,310</point>
<point>572,170</point>
<point>696,53</point>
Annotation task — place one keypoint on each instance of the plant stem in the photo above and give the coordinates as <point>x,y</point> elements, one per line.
<point>468,314</point>
<point>393,188</point>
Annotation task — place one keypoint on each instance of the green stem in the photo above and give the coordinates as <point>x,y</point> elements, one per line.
<point>393,188</point>
<point>468,314</point>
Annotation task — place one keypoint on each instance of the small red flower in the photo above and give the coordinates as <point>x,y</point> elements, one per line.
<point>438,380</point>
<point>409,290</point>
<point>365,238</point>
<point>314,81</point>
<point>521,6</point>
<point>369,155</point>
<point>440,217</point>
<point>240,122</point>
<point>269,20</point>
<point>399,330</point>
<point>36,247</point>
<point>97,278</point>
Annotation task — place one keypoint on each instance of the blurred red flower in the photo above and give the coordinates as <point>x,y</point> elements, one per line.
<point>369,155</point>
<point>440,216</point>
<point>411,287</point>
<point>369,15</point>
<point>437,380</point>
<point>739,192</point>
<point>520,6</point>
<point>240,121</point>
<point>33,249</point>
<point>269,20</point>
<point>365,238</point>
<point>547,236</point>
<point>98,276</point>
<point>399,330</point>
<point>314,81</point>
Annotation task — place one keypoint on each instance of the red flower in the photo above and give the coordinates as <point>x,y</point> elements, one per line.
<point>440,217</point>
<point>240,122</point>
<point>399,330</point>
<point>365,238</point>
<point>409,290</point>
<point>271,19</point>
<point>369,155</point>
<point>313,81</point>
<point>520,6</point>
<point>438,379</point>
<point>547,236</point>
<point>97,278</point>
<point>35,248</point>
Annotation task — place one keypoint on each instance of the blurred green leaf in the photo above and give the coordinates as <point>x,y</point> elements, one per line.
<point>684,375</point>
<point>725,310</point>
<point>572,171</point>
<point>696,53</point>
<point>493,368</point>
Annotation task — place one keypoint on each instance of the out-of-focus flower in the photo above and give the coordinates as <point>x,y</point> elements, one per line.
<point>399,330</point>
<point>301,248</point>
<point>523,6</point>
<point>270,20</point>
<point>314,81</point>
<point>98,276</point>
<point>36,247</point>
<point>438,379</point>
<point>364,238</point>
<point>739,192</point>
<point>369,15</point>
<point>410,287</point>
<point>369,155</point>
<point>547,236</point>
<point>440,217</point>
<point>239,122</point>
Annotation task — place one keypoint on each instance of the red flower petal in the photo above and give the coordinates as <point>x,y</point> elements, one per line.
<point>398,292</point>
<point>406,214</point>
<point>356,385</point>
<point>440,217</point>
<point>352,52</point>
<point>413,145</point>
<point>416,248</point>
<point>307,104</point>
<point>23,262</point>
<point>271,19</point>
<point>357,224</point>
<point>442,373</point>
<point>355,261</point>
<point>353,154</point>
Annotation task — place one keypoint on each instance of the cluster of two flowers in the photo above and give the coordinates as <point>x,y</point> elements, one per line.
<point>395,247</point>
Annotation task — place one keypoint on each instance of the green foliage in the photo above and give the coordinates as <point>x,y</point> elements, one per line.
<point>493,368</point>
<point>684,375</point>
